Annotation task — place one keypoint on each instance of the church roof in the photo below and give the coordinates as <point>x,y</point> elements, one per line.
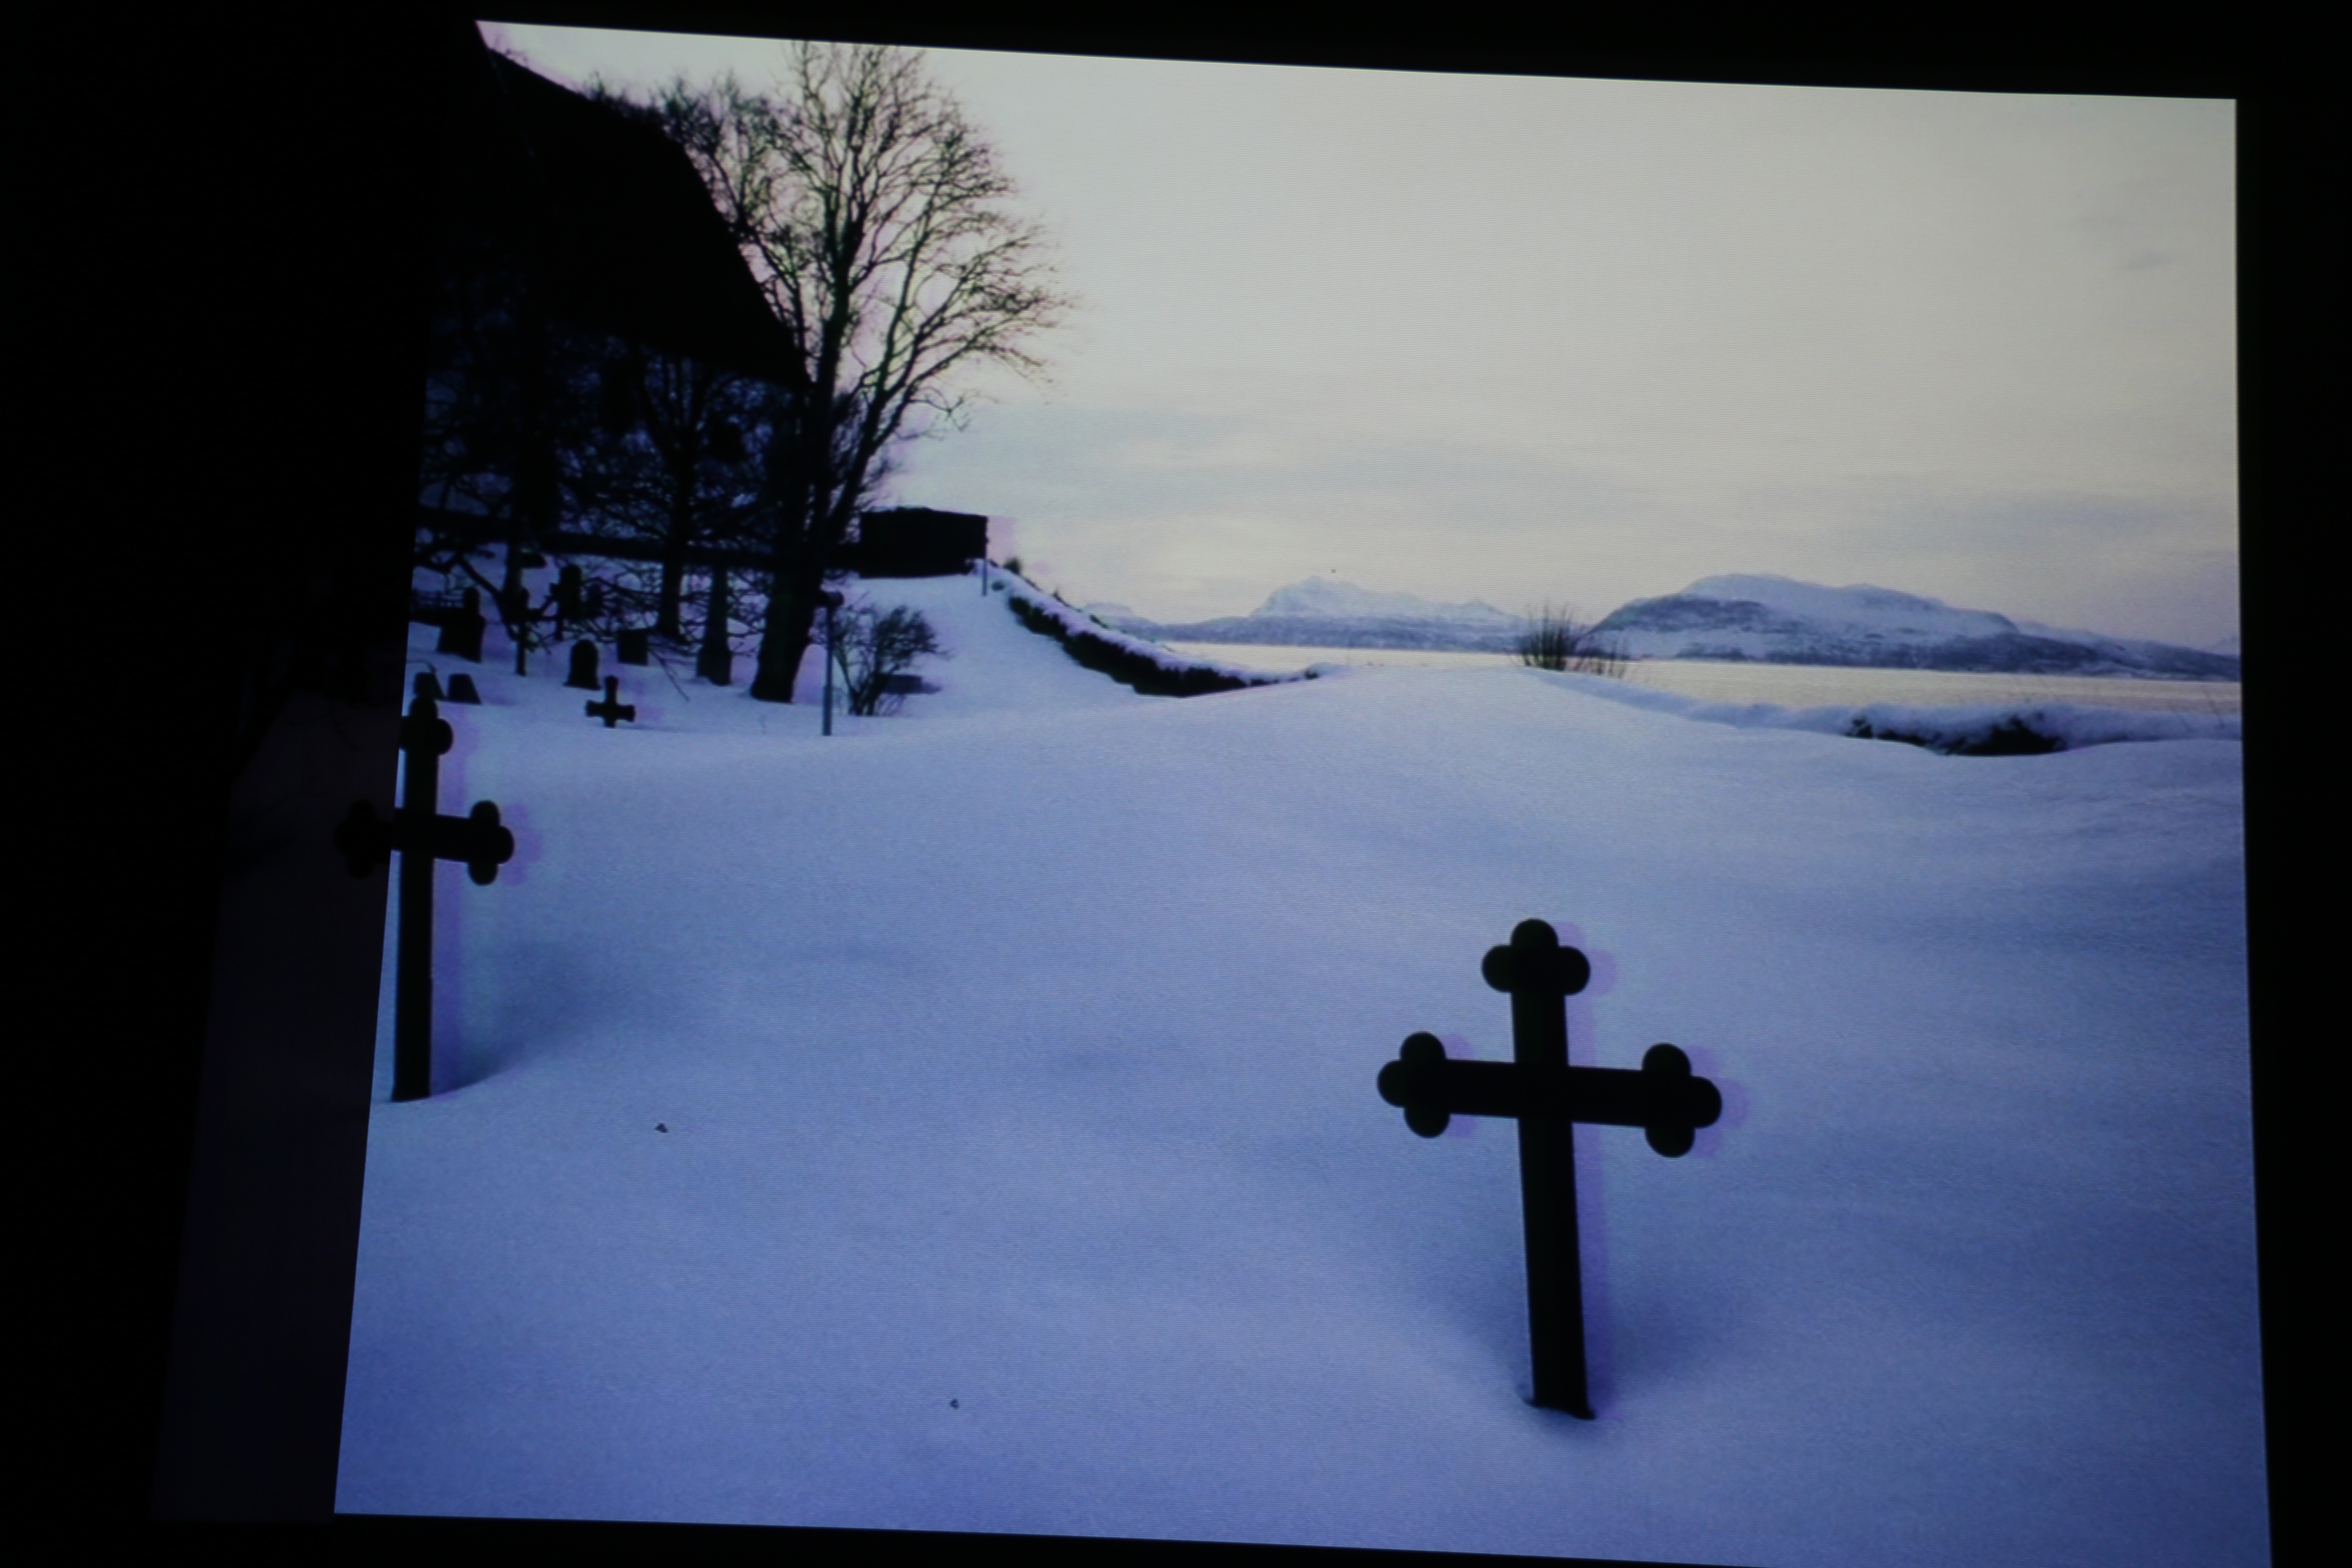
<point>603,213</point>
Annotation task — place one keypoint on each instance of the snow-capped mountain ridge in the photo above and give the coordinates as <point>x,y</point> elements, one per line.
<point>1858,605</point>
<point>1779,620</point>
<point>1731,617</point>
<point>1329,598</point>
<point>1323,612</point>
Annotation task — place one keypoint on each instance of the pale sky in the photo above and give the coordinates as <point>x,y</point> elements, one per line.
<point>1523,339</point>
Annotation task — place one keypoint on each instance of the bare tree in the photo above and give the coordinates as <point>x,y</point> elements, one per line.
<point>506,403</point>
<point>674,458</point>
<point>872,213</point>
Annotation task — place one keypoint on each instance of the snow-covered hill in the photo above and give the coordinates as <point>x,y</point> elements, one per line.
<point>967,1122</point>
<point>1787,622</point>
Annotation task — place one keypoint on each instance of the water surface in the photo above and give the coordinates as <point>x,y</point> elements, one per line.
<point>1785,685</point>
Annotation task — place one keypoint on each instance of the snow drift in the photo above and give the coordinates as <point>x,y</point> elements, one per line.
<point>968,1122</point>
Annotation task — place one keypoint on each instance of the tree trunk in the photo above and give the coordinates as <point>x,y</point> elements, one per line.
<point>668,623</point>
<point>795,582</point>
<point>716,662</point>
<point>785,630</point>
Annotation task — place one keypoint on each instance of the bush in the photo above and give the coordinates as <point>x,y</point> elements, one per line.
<point>870,648</point>
<point>2012,737</point>
<point>1558,639</point>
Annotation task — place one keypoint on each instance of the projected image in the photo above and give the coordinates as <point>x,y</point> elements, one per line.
<point>1241,804</point>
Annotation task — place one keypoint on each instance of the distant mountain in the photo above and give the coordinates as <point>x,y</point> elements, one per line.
<point>1777,620</point>
<point>1321,612</point>
<point>1329,600</point>
<point>1771,620</point>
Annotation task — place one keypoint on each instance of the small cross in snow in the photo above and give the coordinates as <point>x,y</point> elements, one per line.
<point>613,710</point>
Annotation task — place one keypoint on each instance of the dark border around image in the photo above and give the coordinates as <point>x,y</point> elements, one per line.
<point>263,367</point>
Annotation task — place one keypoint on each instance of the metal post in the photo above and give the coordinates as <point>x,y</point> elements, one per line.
<point>1547,1191</point>
<point>423,737</point>
<point>828,663</point>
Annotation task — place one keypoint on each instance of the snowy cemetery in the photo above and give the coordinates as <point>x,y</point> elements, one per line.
<point>985,1116</point>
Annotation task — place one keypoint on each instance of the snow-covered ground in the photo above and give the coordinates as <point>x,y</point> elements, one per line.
<point>967,1122</point>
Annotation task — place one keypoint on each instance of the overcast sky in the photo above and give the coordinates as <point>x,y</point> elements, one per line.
<point>1519,339</point>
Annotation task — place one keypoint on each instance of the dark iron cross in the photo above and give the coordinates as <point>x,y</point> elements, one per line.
<point>613,710</point>
<point>422,836</point>
<point>1549,1098</point>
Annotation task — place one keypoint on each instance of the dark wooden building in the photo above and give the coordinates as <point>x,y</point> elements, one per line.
<point>565,216</point>
<point>600,215</point>
<point>916,541</point>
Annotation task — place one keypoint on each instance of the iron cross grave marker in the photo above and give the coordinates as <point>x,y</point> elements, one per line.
<point>611,709</point>
<point>1547,1098</point>
<point>422,836</point>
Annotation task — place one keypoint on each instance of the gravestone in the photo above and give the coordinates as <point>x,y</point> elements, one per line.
<point>583,666</point>
<point>428,685</point>
<point>613,710</point>
<point>1549,1098</point>
<point>461,629</point>
<point>635,647</point>
<point>421,836</point>
<point>461,688</point>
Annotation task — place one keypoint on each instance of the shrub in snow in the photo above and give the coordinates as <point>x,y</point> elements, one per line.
<point>2011,737</point>
<point>870,648</point>
<point>1558,639</point>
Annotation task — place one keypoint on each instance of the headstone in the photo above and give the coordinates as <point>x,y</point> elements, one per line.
<point>635,647</point>
<point>421,836</point>
<point>1548,1097</point>
<point>461,688</point>
<point>583,666</point>
<point>461,629</point>
<point>427,684</point>
<point>613,710</point>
